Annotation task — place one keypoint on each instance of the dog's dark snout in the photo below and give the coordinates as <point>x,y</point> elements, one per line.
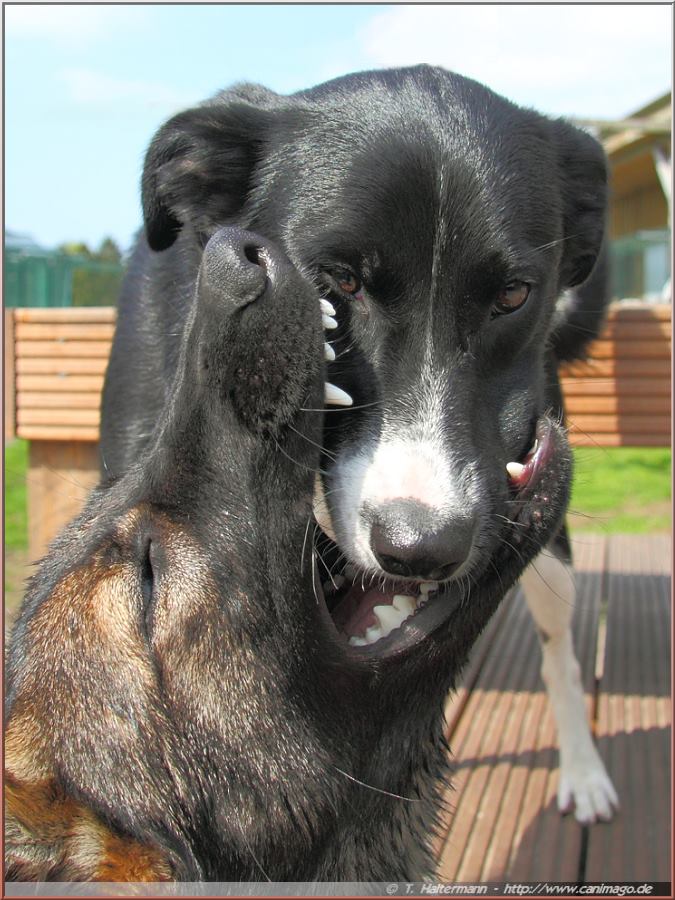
<point>238,265</point>
<point>408,541</point>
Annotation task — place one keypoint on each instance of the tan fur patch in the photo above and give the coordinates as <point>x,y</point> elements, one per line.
<point>48,835</point>
<point>25,751</point>
<point>128,860</point>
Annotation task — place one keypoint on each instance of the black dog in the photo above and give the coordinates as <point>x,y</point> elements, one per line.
<point>230,728</point>
<point>181,705</point>
<point>443,223</point>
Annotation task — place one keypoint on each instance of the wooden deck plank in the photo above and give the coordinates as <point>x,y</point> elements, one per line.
<point>547,845</point>
<point>458,698</point>
<point>550,845</point>
<point>507,773</point>
<point>504,822</point>
<point>468,737</point>
<point>634,713</point>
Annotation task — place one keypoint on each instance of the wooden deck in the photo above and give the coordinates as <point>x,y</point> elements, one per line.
<point>503,822</point>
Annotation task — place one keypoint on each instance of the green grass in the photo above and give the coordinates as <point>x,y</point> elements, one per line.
<point>622,490</point>
<point>615,490</point>
<point>16,516</point>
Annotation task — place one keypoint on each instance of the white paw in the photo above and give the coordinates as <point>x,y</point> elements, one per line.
<point>586,787</point>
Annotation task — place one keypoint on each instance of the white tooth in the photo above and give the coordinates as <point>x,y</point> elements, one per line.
<point>427,586</point>
<point>389,618</point>
<point>404,604</point>
<point>336,396</point>
<point>373,634</point>
<point>327,306</point>
<point>321,513</point>
<point>356,641</point>
<point>328,352</point>
<point>533,449</point>
<point>515,470</point>
<point>328,322</point>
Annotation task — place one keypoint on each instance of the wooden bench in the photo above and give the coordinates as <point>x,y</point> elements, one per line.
<point>55,361</point>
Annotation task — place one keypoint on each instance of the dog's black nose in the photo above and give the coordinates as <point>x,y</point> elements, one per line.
<point>238,265</point>
<point>409,542</point>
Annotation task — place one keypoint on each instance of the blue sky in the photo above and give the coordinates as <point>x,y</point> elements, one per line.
<point>87,86</point>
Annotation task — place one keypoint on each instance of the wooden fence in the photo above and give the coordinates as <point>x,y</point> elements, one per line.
<point>621,395</point>
<point>55,360</point>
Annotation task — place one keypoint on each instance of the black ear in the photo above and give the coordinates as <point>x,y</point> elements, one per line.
<point>199,167</point>
<point>583,168</point>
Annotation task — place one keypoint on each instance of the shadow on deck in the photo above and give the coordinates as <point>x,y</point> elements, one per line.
<point>503,823</point>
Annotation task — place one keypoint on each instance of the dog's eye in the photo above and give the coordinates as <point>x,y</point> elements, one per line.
<point>347,282</point>
<point>511,298</point>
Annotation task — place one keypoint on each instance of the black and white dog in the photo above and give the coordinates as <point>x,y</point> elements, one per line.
<point>450,232</point>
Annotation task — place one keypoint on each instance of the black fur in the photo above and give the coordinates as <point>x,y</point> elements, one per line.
<point>286,753</point>
<point>217,717</point>
<point>372,170</point>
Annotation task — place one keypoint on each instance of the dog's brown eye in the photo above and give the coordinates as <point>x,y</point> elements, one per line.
<point>347,282</point>
<point>511,298</point>
<point>350,284</point>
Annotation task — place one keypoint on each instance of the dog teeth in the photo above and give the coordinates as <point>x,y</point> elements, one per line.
<point>515,470</point>
<point>327,306</point>
<point>328,352</point>
<point>389,618</point>
<point>427,586</point>
<point>328,322</point>
<point>336,396</point>
<point>404,604</point>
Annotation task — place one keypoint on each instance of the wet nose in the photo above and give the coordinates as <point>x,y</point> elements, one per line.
<point>411,541</point>
<point>237,266</point>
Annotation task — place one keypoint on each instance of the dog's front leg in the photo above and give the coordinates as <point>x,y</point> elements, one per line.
<point>584,783</point>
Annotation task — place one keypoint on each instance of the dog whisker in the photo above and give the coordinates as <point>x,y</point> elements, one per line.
<point>511,521</point>
<point>295,461</point>
<point>338,409</point>
<point>304,543</point>
<point>373,788</point>
<point>313,443</point>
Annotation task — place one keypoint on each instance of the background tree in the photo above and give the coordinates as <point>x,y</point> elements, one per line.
<point>96,274</point>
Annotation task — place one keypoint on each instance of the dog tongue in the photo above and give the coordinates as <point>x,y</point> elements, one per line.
<point>354,613</point>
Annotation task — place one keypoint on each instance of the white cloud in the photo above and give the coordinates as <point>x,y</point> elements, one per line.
<point>72,23</point>
<point>89,87</point>
<point>585,60</point>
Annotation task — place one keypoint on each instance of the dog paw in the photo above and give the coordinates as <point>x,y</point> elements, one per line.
<point>586,788</point>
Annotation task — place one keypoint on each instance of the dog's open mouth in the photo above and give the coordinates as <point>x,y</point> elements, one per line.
<point>377,615</point>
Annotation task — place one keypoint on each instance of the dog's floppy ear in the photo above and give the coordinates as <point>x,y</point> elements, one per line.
<point>583,171</point>
<point>199,166</point>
